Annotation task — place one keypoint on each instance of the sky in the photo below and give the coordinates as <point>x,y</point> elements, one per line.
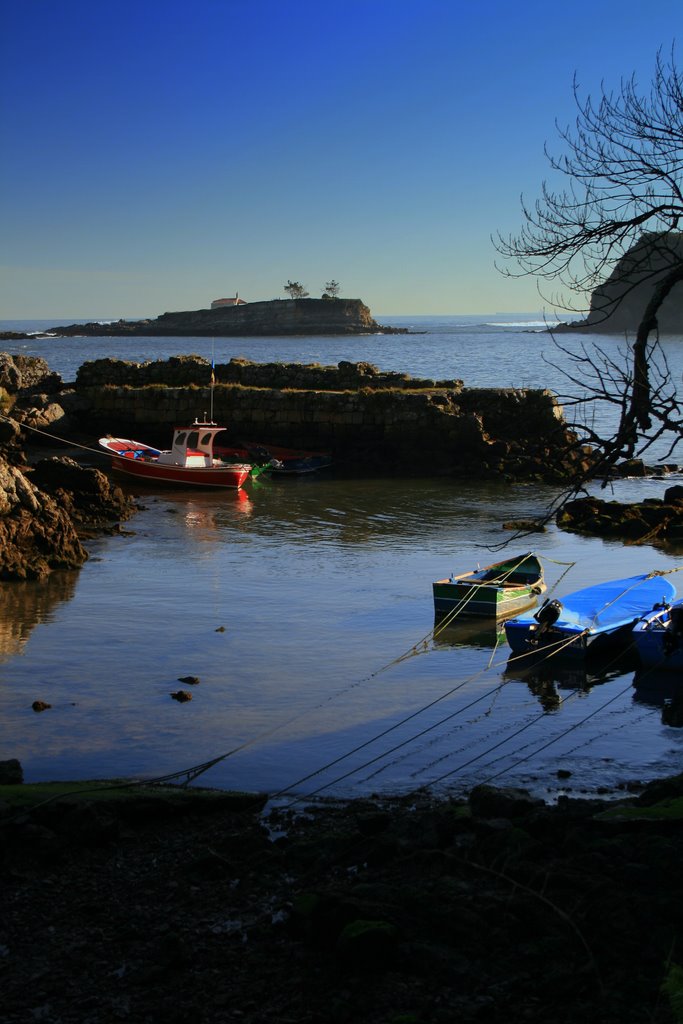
<point>159,154</point>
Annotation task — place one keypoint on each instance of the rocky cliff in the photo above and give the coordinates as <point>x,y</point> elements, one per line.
<point>277,317</point>
<point>617,306</point>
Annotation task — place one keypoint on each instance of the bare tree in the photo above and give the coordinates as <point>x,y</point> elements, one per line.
<point>623,164</point>
<point>332,289</point>
<point>295,290</point>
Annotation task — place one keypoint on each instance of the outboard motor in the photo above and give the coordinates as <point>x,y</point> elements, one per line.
<point>546,616</point>
<point>548,613</point>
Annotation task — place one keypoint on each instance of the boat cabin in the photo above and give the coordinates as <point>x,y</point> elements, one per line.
<point>192,446</point>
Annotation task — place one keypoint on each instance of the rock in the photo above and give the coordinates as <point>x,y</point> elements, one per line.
<point>491,802</point>
<point>674,495</point>
<point>36,535</point>
<point>40,705</point>
<point>11,772</point>
<point>36,374</point>
<point>632,467</point>
<point>85,493</point>
<point>10,431</point>
<point>181,696</point>
<point>10,377</point>
<point>524,526</point>
<point>45,416</point>
<point>640,522</point>
<point>189,680</point>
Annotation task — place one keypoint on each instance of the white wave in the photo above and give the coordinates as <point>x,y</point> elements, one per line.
<point>523,323</point>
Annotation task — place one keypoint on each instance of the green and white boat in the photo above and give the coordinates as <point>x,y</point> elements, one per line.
<point>495,591</point>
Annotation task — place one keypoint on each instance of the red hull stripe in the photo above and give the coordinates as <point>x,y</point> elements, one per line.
<point>220,477</point>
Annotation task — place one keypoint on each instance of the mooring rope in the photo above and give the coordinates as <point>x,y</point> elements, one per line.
<point>53,437</point>
<point>397,725</point>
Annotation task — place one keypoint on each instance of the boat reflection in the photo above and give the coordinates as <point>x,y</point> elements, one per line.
<point>201,511</point>
<point>657,687</point>
<point>24,604</point>
<point>547,677</point>
<point>483,633</point>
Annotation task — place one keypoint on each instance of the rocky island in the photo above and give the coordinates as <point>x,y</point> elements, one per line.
<point>275,317</point>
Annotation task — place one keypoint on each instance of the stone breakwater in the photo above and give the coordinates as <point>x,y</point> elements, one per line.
<point>369,420</point>
<point>261,319</point>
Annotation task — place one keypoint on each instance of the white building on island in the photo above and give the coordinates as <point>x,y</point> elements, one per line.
<point>236,301</point>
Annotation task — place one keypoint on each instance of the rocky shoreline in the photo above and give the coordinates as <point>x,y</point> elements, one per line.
<point>194,906</point>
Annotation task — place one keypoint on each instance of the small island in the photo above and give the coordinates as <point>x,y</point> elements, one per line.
<point>276,317</point>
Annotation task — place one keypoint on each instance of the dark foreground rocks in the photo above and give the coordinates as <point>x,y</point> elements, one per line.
<point>406,911</point>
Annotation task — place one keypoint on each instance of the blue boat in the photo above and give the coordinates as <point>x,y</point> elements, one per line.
<point>658,638</point>
<point>597,619</point>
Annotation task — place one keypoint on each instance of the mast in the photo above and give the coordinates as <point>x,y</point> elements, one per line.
<point>213,380</point>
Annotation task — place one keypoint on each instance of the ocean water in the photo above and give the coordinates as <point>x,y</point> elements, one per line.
<point>304,607</point>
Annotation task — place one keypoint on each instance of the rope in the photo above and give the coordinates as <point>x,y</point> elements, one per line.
<point>194,772</point>
<point>556,739</point>
<point>410,739</point>
<point>54,437</point>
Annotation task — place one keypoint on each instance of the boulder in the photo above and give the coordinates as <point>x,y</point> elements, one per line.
<point>674,495</point>
<point>87,494</point>
<point>10,377</point>
<point>36,535</point>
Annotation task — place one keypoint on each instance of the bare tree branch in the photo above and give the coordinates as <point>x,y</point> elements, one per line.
<point>610,237</point>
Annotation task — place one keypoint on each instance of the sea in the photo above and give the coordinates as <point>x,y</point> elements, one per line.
<point>303,607</point>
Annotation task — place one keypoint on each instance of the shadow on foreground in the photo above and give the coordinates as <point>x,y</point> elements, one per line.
<point>173,905</point>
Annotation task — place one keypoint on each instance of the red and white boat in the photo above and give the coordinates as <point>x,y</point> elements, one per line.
<point>190,460</point>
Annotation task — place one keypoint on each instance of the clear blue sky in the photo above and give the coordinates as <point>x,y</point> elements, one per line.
<point>158,154</point>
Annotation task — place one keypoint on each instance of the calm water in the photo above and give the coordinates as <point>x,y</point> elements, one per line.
<point>304,607</point>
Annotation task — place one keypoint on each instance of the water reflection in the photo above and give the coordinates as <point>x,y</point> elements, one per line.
<point>203,515</point>
<point>547,677</point>
<point>482,633</point>
<point>25,604</point>
<point>656,687</point>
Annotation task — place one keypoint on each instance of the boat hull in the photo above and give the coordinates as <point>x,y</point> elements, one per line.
<point>230,477</point>
<point>597,620</point>
<point>496,591</point>
<point>658,642</point>
<point>146,463</point>
<point>567,642</point>
<point>481,601</point>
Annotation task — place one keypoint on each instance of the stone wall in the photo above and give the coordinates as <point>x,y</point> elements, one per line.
<point>180,371</point>
<point>415,428</point>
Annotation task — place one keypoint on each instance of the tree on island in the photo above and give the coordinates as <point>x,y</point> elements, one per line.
<point>331,289</point>
<point>624,163</point>
<point>295,290</point>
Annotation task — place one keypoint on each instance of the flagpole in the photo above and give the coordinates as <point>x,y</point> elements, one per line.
<point>213,378</point>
